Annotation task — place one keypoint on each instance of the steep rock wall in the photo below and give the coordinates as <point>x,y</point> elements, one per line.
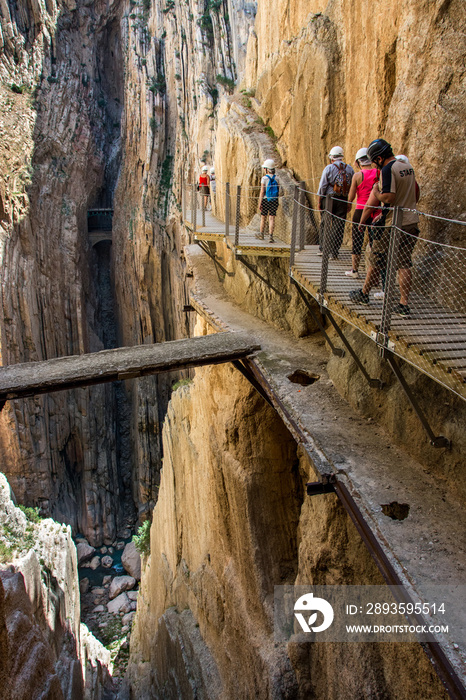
<point>333,73</point>
<point>230,523</point>
<point>60,451</point>
<point>45,650</point>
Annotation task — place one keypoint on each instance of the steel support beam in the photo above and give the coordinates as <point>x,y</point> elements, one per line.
<point>435,441</point>
<point>373,383</point>
<point>253,269</point>
<point>339,352</point>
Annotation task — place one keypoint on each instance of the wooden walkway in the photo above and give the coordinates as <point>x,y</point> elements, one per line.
<point>432,338</point>
<point>214,230</point>
<point>31,378</point>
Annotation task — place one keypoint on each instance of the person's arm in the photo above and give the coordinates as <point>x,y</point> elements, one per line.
<point>322,187</point>
<point>385,197</point>
<point>368,208</point>
<point>355,182</point>
<point>387,192</point>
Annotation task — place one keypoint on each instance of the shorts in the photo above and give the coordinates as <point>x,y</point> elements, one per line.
<point>204,189</point>
<point>269,207</point>
<point>380,244</point>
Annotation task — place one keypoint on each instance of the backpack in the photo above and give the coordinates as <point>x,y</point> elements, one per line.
<point>342,183</point>
<point>271,190</point>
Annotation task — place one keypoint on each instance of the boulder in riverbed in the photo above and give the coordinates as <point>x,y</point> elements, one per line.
<point>131,560</point>
<point>121,584</point>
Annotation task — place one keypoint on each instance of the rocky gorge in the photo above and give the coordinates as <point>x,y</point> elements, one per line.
<point>116,104</point>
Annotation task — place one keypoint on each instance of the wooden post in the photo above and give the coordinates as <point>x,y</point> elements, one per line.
<point>294,226</point>
<point>193,201</point>
<point>390,275</point>
<point>302,198</point>
<point>203,209</point>
<point>238,214</point>
<point>326,244</point>
<point>194,208</point>
<point>227,210</point>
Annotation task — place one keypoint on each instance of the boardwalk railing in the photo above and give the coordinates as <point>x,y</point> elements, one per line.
<point>237,208</point>
<point>431,333</point>
<point>316,233</point>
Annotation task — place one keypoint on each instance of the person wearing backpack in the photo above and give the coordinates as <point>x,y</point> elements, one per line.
<point>336,181</point>
<point>268,199</point>
<point>361,188</point>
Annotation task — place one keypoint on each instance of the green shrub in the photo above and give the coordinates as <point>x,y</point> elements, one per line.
<point>227,83</point>
<point>158,84</point>
<point>6,553</point>
<point>153,124</point>
<point>19,89</point>
<point>32,514</point>
<point>169,6</point>
<point>268,130</point>
<point>142,538</point>
<point>181,382</point>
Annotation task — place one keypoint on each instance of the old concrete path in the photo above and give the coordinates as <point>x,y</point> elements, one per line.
<point>426,549</point>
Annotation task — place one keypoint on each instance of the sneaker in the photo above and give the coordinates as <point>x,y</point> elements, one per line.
<point>359,297</point>
<point>260,236</point>
<point>402,310</point>
<point>352,273</point>
<point>379,295</point>
<point>319,252</point>
<point>271,240</point>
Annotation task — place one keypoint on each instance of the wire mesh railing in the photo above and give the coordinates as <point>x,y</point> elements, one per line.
<point>411,291</point>
<point>243,214</point>
<point>409,295</point>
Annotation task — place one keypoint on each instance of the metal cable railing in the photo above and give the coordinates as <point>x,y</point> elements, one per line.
<point>411,292</point>
<point>428,329</point>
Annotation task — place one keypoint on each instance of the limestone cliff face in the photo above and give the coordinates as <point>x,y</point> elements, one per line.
<point>230,523</point>
<point>338,73</point>
<point>59,451</point>
<point>45,650</point>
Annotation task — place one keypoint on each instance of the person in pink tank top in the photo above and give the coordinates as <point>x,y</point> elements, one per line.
<point>361,187</point>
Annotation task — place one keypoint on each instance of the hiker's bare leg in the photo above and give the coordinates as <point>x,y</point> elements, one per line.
<point>371,279</point>
<point>355,259</point>
<point>404,279</point>
<point>271,225</point>
<point>263,220</point>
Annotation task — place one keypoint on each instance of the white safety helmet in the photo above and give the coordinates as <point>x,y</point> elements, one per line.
<point>212,171</point>
<point>269,164</point>
<point>362,158</point>
<point>402,158</point>
<point>336,152</point>
<point>205,169</point>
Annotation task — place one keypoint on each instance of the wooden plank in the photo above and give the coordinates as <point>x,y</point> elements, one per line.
<point>31,378</point>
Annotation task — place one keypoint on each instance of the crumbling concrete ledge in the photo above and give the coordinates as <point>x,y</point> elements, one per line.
<point>427,548</point>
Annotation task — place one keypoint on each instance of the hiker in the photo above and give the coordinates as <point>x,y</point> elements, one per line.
<point>396,188</point>
<point>204,185</point>
<point>213,183</point>
<point>268,199</point>
<point>213,186</point>
<point>372,214</point>
<point>335,180</point>
<point>361,187</point>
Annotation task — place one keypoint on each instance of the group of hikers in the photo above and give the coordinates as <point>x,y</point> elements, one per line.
<point>382,181</point>
<point>207,184</point>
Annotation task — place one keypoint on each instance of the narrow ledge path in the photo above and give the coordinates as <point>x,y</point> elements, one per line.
<point>422,553</point>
